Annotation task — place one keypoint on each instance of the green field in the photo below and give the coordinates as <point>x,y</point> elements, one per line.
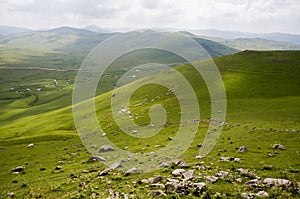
<point>263,103</point>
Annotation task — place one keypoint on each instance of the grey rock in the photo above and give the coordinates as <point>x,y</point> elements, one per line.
<point>155,179</point>
<point>131,171</point>
<point>111,167</point>
<point>106,148</point>
<point>58,168</point>
<point>158,193</point>
<point>145,181</point>
<point>164,164</point>
<point>211,179</point>
<point>158,185</point>
<point>240,180</point>
<point>180,163</point>
<point>225,159</point>
<point>262,194</point>
<point>199,157</point>
<point>222,174</point>
<point>19,169</point>
<point>242,171</point>
<point>252,183</point>
<point>277,182</point>
<point>171,187</point>
<point>96,158</point>
<point>243,149</point>
<point>237,159</point>
<point>279,146</point>
<point>247,195</point>
<point>178,172</point>
<point>31,145</point>
<point>200,188</point>
<point>189,174</point>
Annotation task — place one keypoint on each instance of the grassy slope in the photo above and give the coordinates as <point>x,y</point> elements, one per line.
<point>262,91</point>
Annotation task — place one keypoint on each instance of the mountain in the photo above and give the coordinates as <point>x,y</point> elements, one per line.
<point>293,38</point>
<point>96,28</point>
<point>13,31</point>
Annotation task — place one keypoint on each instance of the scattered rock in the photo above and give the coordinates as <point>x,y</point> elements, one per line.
<point>106,148</point>
<point>225,159</point>
<point>164,164</point>
<point>61,162</point>
<point>170,138</point>
<point>262,194</point>
<point>247,195</point>
<point>178,172</point>
<point>96,158</point>
<point>19,169</point>
<point>145,181</point>
<point>10,194</point>
<point>277,182</point>
<point>200,188</point>
<point>131,171</point>
<point>155,179</point>
<point>252,183</point>
<point>189,174</point>
<point>222,174</point>
<point>240,180</point>
<point>58,168</point>
<point>111,167</point>
<point>237,159</point>
<point>171,187</point>
<point>158,193</point>
<point>180,163</point>
<point>242,171</point>
<point>199,157</point>
<point>158,185</point>
<point>279,146</point>
<point>211,179</point>
<point>31,145</point>
<point>243,149</point>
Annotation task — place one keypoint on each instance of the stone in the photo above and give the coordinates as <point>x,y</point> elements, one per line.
<point>131,171</point>
<point>96,158</point>
<point>277,182</point>
<point>178,172</point>
<point>31,145</point>
<point>237,159</point>
<point>211,179</point>
<point>106,148</point>
<point>170,138</point>
<point>145,181</point>
<point>243,149</point>
<point>225,159</point>
<point>240,180</point>
<point>247,195</point>
<point>180,163</point>
<point>200,188</point>
<point>279,146</point>
<point>222,174</point>
<point>251,183</point>
<point>58,168</point>
<point>171,187</point>
<point>158,193</point>
<point>242,171</point>
<point>164,164</point>
<point>199,157</point>
<point>155,179</point>
<point>158,185</point>
<point>19,169</point>
<point>189,174</point>
<point>262,194</point>
<point>10,194</point>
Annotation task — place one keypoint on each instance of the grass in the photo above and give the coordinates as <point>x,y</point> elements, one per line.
<point>263,109</point>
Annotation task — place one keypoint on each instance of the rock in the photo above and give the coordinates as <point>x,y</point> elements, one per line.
<point>158,185</point>
<point>31,145</point>
<point>170,138</point>
<point>158,193</point>
<point>211,179</point>
<point>171,187</point>
<point>180,163</point>
<point>279,146</point>
<point>225,159</point>
<point>247,195</point>
<point>164,164</point>
<point>252,183</point>
<point>262,194</point>
<point>242,171</point>
<point>199,145</point>
<point>106,148</point>
<point>96,158</point>
<point>222,174</point>
<point>61,162</point>
<point>155,179</point>
<point>189,174</point>
<point>200,188</point>
<point>58,168</point>
<point>237,159</point>
<point>131,171</point>
<point>111,167</point>
<point>145,181</point>
<point>10,194</point>
<point>19,169</point>
<point>243,149</point>
<point>199,157</point>
<point>240,180</point>
<point>178,172</point>
<point>277,182</point>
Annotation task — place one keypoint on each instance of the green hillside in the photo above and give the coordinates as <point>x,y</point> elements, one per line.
<point>263,99</point>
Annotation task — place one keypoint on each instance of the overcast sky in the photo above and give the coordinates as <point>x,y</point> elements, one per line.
<point>241,15</point>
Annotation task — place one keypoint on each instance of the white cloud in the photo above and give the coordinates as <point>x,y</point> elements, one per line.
<point>247,15</point>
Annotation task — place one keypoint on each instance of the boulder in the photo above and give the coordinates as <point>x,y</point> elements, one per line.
<point>279,146</point>
<point>96,158</point>
<point>211,179</point>
<point>171,187</point>
<point>222,174</point>
<point>180,163</point>
<point>158,193</point>
<point>189,174</point>
<point>243,149</point>
<point>131,171</point>
<point>200,188</point>
<point>158,185</point>
<point>164,164</point>
<point>58,168</point>
<point>277,182</point>
<point>262,194</point>
<point>178,172</point>
<point>18,169</point>
<point>252,183</point>
<point>31,145</point>
<point>247,195</point>
<point>106,148</point>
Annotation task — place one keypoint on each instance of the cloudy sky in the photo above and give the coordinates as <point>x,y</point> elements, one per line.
<point>241,15</point>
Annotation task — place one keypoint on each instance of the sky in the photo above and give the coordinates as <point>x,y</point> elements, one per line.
<point>262,16</point>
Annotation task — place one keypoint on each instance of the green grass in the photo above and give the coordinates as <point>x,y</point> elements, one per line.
<point>262,92</point>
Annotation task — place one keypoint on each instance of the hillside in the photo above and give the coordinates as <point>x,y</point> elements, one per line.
<point>263,98</point>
